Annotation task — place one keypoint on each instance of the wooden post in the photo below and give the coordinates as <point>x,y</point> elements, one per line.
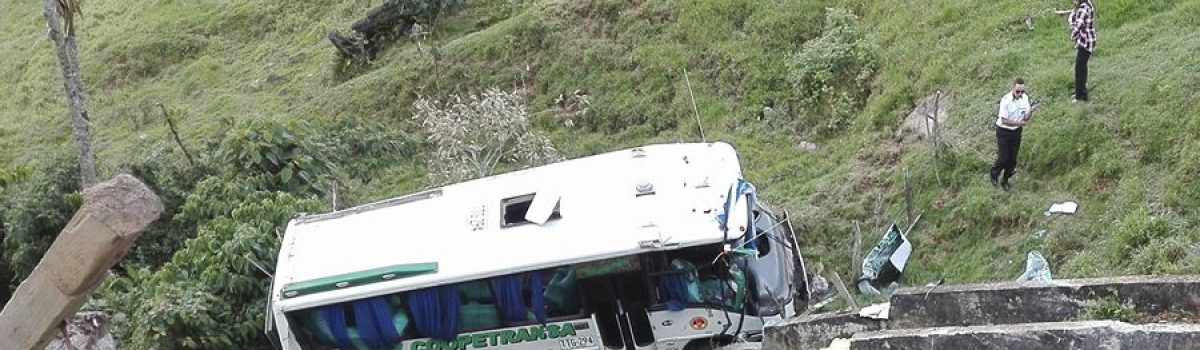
<point>935,134</point>
<point>908,203</point>
<point>113,214</point>
<point>878,212</point>
<point>77,100</point>
<point>855,250</point>
<point>841,288</point>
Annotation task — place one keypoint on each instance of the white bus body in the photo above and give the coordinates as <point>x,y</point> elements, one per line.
<point>661,247</point>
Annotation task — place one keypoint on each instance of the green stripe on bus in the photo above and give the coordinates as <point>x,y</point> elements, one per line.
<point>359,278</point>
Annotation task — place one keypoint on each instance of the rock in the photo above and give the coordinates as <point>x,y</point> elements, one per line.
<point>915,121</point>
<point>807,146</point>
<point>87,331</point>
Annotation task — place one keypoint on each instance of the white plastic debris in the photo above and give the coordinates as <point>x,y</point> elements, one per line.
<point>876,311</point>
<point>1036,269</point>
<point>1063,208</point>
<point>839,344</point>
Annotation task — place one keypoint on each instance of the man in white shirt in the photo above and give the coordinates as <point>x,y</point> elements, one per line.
<point>1015,111</point>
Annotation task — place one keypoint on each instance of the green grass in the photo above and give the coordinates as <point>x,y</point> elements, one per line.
<point>1131,158</point>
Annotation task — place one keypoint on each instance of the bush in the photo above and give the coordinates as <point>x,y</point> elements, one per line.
<point>211,295</point>
<point>14,175</point>
<point>473,134</point>
<point>171,183</point>
<point>831,73</point>
<point>1109,309</point>
<point>371,146</point>
<point>276,156</point>
<point>34,212</point>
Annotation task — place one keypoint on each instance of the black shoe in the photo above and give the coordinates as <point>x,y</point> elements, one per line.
<point>1006,187</point>
<point>993,181</point>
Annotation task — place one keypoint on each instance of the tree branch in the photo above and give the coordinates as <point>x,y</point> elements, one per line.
<point>171,124</point>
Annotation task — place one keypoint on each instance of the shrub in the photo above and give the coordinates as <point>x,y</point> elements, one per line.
<point>33,214</point>
<point>211,295</point>
<point>1109,309</point>
<point>277,156</point>
<point>473,134</point>
<point>13,175</point>
<point>831,73</point>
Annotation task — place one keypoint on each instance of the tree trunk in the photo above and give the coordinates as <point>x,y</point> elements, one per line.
<point>68,56</point>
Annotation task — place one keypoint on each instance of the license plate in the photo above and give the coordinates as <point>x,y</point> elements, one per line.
<point>576,343</point>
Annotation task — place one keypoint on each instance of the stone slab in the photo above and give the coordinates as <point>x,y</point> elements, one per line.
<point>816,331</point>
<point>1086,335</point>
<point>1060,300</point>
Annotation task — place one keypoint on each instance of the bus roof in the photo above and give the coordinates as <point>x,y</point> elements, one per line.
<point>613,204</point>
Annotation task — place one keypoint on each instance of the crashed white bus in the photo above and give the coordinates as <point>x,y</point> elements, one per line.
<point>658,247</point>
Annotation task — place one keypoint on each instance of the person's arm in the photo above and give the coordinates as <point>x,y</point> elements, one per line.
<point>1029,114</point>
<point>1012,122</point>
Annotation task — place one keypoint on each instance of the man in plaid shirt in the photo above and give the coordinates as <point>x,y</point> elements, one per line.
<point>1083,32</point>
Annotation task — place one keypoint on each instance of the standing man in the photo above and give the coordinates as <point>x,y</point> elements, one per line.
<point>1083,33</point>
<point>1015,111</point>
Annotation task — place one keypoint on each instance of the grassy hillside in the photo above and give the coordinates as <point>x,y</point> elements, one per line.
<point>1131,158</point>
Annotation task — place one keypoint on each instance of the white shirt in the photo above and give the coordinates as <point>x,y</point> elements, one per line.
<point>1012,109</point>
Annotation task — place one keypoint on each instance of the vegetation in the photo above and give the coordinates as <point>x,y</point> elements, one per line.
<point>1109,308</point>
<point>472,135</point>
<point>280,125</point>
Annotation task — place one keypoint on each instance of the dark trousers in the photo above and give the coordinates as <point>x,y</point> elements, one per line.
<point>1081,60</point>
<point>1008,142</point>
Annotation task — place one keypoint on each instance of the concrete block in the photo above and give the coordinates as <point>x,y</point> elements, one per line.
<point>816,331</point>
<point>1086,335</point>
<point>1011,302</point>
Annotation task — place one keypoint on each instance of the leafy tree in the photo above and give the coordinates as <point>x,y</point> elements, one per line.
<point>831,73</point>
<point>473,134</point>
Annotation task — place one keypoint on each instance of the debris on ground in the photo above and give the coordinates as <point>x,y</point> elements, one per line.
<point>822,292</point>
<point>1063,208</point>
<point>876,311</point>
<point>1036,269</point>
<point>882,267</point>
<point>839,344</point>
